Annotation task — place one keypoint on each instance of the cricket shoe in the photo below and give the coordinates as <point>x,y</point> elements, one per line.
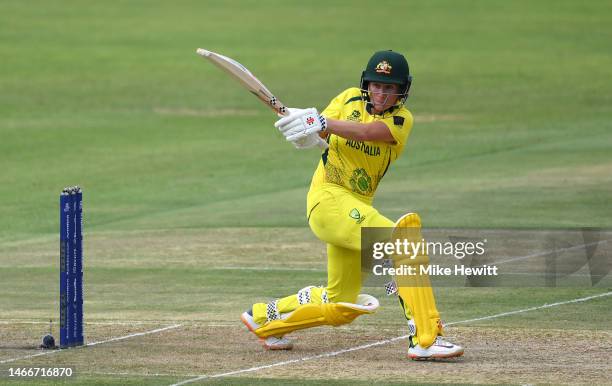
<point>269,343</point>
<point>440,349</point>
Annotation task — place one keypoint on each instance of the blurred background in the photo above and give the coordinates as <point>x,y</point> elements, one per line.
<point>194,204</point>
<point>512,105</point>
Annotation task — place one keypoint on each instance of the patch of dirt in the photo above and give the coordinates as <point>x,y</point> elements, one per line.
<point>493,355</point>
<point>524,356</point>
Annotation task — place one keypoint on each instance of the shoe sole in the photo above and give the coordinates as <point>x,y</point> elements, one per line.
<point>262,340</point>
<point>435,356</point>
<point>277,347</point>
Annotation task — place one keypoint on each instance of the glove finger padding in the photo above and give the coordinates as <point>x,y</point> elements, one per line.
<point>299,132</point>
<point>293,114</point>
<point>306,142</point>
<point>296,136</point>
<point>292,126</point>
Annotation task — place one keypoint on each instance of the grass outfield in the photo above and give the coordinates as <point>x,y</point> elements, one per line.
<point>189,190</point>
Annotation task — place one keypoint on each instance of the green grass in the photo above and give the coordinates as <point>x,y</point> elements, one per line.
<point>89,92</point>
<point>513,107</point>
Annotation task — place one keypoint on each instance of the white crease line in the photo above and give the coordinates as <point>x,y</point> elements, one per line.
<point>94,343</point>
<point>107,323</point>
<point>133,335</point>
<point>533,308</point>
<point>383,342</point>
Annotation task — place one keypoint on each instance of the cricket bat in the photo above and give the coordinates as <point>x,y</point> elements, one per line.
<point>250,82</point>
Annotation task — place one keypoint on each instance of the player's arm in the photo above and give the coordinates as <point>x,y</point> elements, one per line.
<point>373,131</point>
<point>308,122</point>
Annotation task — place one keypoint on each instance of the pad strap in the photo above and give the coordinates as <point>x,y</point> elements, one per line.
<point>391,288</point>
<point>324,298</point>
<point>304,295</point>
<point>272,311</point>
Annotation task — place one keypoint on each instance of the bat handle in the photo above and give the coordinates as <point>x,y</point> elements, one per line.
<point>282,111</point>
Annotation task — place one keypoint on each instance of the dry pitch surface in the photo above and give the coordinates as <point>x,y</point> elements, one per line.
<point>162,308</point>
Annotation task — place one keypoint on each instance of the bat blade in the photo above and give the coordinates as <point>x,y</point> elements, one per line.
<point>250,82</point>
<point>246,78</point>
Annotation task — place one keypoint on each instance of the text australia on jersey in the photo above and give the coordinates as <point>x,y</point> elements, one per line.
<point>372,150</point>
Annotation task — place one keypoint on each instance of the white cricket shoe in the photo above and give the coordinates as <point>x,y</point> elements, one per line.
<point>438,350</point>
<point>269,343</point>
<point>274,343</point>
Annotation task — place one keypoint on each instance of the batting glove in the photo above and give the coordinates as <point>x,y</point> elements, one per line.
<point>301,123</point>
<point>309,141</point>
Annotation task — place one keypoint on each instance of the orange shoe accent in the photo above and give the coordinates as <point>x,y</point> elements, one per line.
<point>246,323</point>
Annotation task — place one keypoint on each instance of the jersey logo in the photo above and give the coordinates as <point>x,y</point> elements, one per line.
<point>361,182</point>
<point>355,116</point>
<point>399,121</point>
<point>383,68</point>
<point>355,215</point>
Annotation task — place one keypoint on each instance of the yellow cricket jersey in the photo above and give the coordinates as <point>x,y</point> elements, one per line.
<point>355,165</point>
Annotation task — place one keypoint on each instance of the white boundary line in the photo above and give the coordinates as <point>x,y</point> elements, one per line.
<point>95,343</point>
<point>102,323</point>
<point>383,342</point>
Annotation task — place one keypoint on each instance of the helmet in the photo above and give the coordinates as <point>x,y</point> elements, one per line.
<point>387,67</point>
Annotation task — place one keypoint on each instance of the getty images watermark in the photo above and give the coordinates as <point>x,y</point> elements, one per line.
<point>487,257</point>
<point>409,258</point>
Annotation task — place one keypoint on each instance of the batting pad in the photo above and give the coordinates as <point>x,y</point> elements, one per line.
<point>313,315</point>
<point>415,291</point>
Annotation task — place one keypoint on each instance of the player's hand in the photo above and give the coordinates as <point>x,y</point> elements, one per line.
<point>309,141</point>
<point>301,123</point>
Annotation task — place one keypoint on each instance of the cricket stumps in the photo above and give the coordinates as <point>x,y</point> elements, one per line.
<point>71,267</point>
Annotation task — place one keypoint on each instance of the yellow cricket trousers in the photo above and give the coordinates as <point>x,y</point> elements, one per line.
<point>335,216</point>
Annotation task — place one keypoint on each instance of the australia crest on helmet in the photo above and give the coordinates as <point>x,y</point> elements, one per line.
<point>384,68</point>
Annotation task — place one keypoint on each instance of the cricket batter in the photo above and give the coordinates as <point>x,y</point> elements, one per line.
<point>366,129</point>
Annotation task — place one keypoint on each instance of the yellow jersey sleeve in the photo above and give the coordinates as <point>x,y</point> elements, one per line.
<point>399,125</point>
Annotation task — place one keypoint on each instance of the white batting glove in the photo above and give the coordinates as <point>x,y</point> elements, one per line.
<point>309,141</point>
<point>301,123</point>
